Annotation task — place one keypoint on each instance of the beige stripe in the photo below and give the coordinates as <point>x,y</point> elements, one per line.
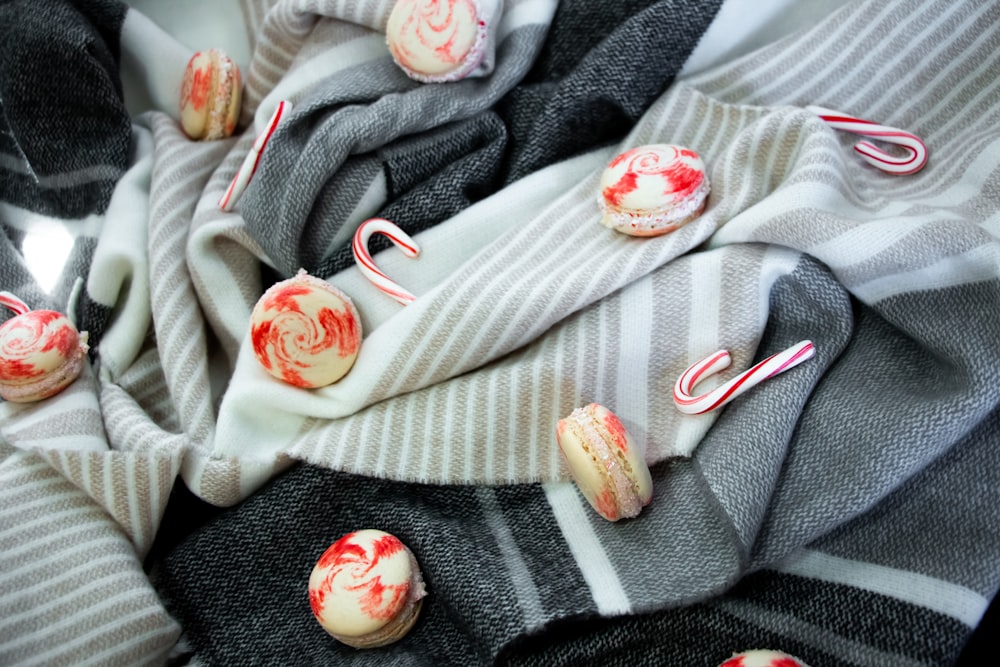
<point>71,577</point>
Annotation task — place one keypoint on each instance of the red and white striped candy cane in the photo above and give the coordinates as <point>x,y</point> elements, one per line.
<point>916,150</point>
<point>367,265</point>
<point>250,162</point>
<point>696,405</point>
<point>14,303</point>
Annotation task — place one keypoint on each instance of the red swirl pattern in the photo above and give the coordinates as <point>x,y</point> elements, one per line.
<point>679,178</point>
<point>437,26</point>
<point>350,566</point>
<point>25,337</point>
<point>288,342</point>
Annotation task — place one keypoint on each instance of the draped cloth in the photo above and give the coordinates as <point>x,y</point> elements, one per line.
<point>842,511</point>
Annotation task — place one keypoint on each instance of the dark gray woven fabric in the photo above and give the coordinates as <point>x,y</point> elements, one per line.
<point>64,135</point>
<point>723,524</point>
<point>64,131</point>
<point>583,90</point>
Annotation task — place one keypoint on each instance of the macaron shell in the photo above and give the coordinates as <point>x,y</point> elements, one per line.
<point>436,40</point>
<point>366,589</point>
<point>41,353</point>
<point>305,331</point>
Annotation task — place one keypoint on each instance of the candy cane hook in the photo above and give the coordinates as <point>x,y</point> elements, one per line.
<point>250,162</point>
<point>916,150</point>
<point>13,302</point>
<point>367,265</point>
<point>696,405</point>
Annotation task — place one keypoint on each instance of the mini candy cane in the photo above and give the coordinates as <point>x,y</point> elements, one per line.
<point>14,303</point>
<point>367,265</point>
<point>250,162</point>
<point>696,405</point>
<point>916,151</point>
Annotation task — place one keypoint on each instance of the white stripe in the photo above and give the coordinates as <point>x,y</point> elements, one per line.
<point>943,597</point>
<point>81,442</point>
<point>408,423</point>
<point>510,435</point>
<point>530,12</point>
<point>384,442</point>
<point>970,185</point>
<point>534,379</point>
<point>632,399</point>
<point>490,446</point>
<point>65,576</point>
<point>976,265</point>
<point>560,370</point>
<point>471,438</point>
<point>703,339</point>
<point>595,566</point>
<point>449,426</point>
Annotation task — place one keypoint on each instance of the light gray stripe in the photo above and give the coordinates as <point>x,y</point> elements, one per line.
<point>533,614</point>
<point>62,180</point>
<point>943,597</point>
<point>822,639</point>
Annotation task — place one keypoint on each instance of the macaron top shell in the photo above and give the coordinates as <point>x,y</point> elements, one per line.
<point>305,331</point>
<point>364,581</point>
<point>604,462</point>
<point>436,40</point>
<point>652,188</point>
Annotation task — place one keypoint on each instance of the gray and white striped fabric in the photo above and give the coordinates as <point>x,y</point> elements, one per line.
<point>842,511</point>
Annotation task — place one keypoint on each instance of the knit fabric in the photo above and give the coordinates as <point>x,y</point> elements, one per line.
<point>841,511</point>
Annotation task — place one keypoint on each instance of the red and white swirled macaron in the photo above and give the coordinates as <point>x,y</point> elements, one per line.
<point>41,352</point>
<point>305,331</point>
<point>653,189</point>
<point>763,658</point>
<point>211,95</point>
<point>367,590</point>
<point>604,461</point>
<point>436,41</point>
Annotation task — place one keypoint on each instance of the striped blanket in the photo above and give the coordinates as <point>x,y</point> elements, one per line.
<point>169,505</point>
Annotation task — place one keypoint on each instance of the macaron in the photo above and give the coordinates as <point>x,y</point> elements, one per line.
<point>604,462</point>
<point>211,94</point>
<point>653,189</point>
<point>434,41</point>
<point>763,658</point>
<point>41,352</point>
<point>367,590</point>
<point>305,331</point>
